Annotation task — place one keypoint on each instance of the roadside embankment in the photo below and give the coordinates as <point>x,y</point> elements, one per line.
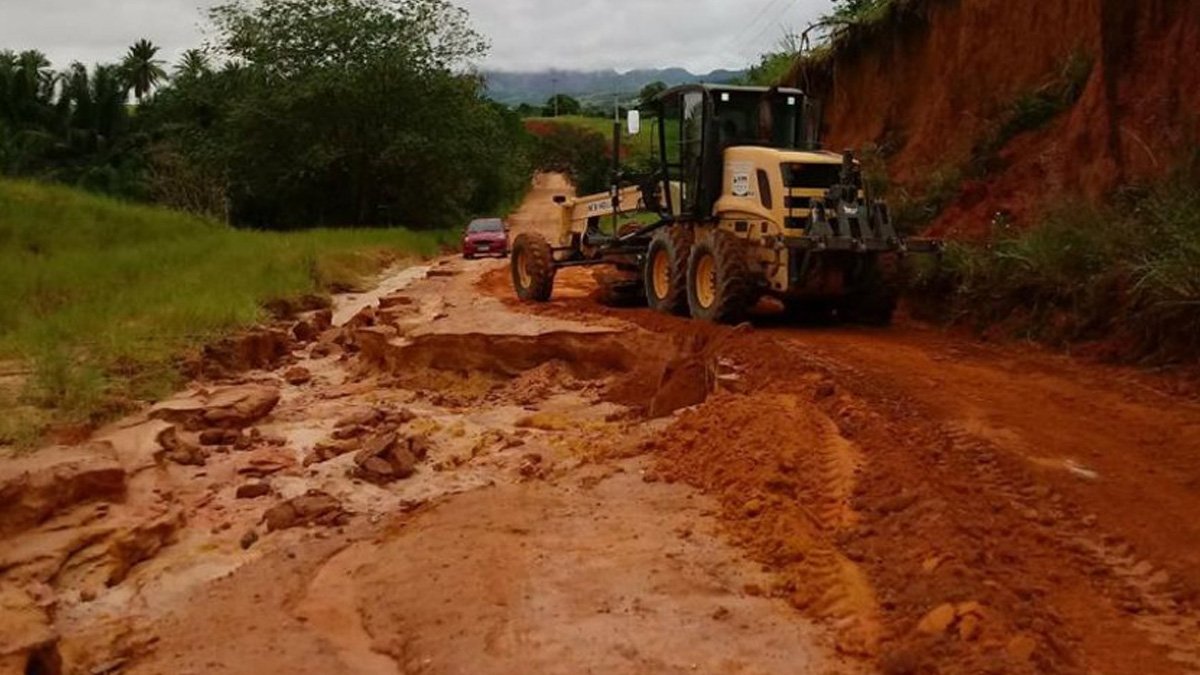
<point>102,297</point>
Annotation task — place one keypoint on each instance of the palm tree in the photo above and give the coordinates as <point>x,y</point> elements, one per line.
<point>193,64</point>
<point>142,69</point>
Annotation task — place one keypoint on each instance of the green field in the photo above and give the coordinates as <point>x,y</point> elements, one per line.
<point>100,296</point>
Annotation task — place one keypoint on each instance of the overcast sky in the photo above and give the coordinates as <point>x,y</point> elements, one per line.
<point>700,35</point>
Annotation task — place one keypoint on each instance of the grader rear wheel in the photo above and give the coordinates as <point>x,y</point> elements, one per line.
<point>720,286</point>
<point>532,268</point>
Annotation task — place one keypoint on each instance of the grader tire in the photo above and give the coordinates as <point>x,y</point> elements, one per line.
<point>872,301</point>
<point>532,266</point>
<point>666,270</point>
<point>720,286</point>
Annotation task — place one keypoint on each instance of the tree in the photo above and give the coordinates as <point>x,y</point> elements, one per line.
<point>580,153</point>
<point>855,10</point>
<point>650,91</point>
<point>141,69</point>
<point>561,104</point>
<point>351,112</point>
<point>193,64</point>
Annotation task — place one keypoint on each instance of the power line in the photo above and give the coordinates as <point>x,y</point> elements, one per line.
<point>771,24</point>
<point>736,38</point>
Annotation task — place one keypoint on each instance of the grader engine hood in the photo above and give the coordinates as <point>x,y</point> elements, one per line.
<point>804,199</point>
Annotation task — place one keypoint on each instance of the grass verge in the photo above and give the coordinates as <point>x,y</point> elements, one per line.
<point>101,297</point>
<point>1124,275</point>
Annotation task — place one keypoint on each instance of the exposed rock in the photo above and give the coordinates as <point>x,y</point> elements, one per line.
<point>389,301</point>
<point>298,376</point>
<point>938,621</point>
<point>399,416</point>
<point>364,417</point>
<point>385,458</point>
<point>256,349</point>
<point>420,446</point>
<point>28,634</point>
<point>349,433</point>
<point>248,539</point>
<point>1021,648</point>
<point>313,508</point>
<point>267,465</point>
<point>35,487</point>
<point>969,628</point>
<point>253,490</point>
<point>227,408</point>
<point>212,437</point>
<point>175,448</point>
<point>533,466</point>
<point>310,326</point>
<point>305,332</point>
<point>375,344</point>
<point>327,450</point>
<point>322,319</point>
<point>141,543</point>
<point>365,318</point>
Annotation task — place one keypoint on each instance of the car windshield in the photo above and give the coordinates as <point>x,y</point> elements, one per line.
<point>486,226</point>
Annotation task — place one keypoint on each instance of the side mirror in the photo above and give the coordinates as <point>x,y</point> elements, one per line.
<point>634,122</point>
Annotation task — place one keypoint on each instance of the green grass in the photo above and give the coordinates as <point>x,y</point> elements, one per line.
<point>101,297</point>
<point>1126,274</point>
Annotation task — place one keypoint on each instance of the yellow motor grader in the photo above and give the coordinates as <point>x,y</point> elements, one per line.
<point>741,203</point>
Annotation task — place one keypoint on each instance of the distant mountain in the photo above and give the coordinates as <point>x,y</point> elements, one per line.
<point>514,88</point>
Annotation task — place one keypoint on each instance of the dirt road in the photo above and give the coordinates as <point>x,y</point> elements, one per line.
<point>432,478</point>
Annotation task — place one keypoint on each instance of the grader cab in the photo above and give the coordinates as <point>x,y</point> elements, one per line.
<point>742,203</point>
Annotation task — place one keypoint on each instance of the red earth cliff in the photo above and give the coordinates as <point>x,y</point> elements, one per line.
<point>928,82</point>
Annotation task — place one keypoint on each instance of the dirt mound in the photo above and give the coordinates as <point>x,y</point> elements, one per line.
<point>789,495</point>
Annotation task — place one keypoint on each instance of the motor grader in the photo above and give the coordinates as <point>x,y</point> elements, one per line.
<point>741,203</point>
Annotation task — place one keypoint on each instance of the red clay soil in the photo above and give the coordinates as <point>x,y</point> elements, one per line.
<point>950,507</point>
<point>929,85</point>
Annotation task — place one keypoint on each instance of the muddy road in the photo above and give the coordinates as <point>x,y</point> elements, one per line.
<point>432,478</point>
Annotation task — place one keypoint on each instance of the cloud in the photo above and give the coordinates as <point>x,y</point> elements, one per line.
<point>700,35</point>
<point>525,34</point>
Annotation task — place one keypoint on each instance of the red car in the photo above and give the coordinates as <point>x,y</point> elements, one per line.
<point>485,237</point>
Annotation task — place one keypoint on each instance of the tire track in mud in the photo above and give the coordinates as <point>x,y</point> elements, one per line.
<point>1131,584</point>
<point>941,516</point>
<point>1048,525</point>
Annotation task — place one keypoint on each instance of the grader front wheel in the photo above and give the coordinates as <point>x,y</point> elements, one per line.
<point>666,270</point>
<point>532,265</point>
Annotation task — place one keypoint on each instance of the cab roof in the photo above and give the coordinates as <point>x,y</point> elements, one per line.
<point>732,88</point>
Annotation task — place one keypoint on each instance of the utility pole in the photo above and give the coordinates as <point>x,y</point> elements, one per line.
<point>555,80</point>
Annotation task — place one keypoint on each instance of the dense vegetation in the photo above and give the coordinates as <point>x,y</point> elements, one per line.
<point>100,296</point>
<point>303,113</point>
<point>1125,274</point>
